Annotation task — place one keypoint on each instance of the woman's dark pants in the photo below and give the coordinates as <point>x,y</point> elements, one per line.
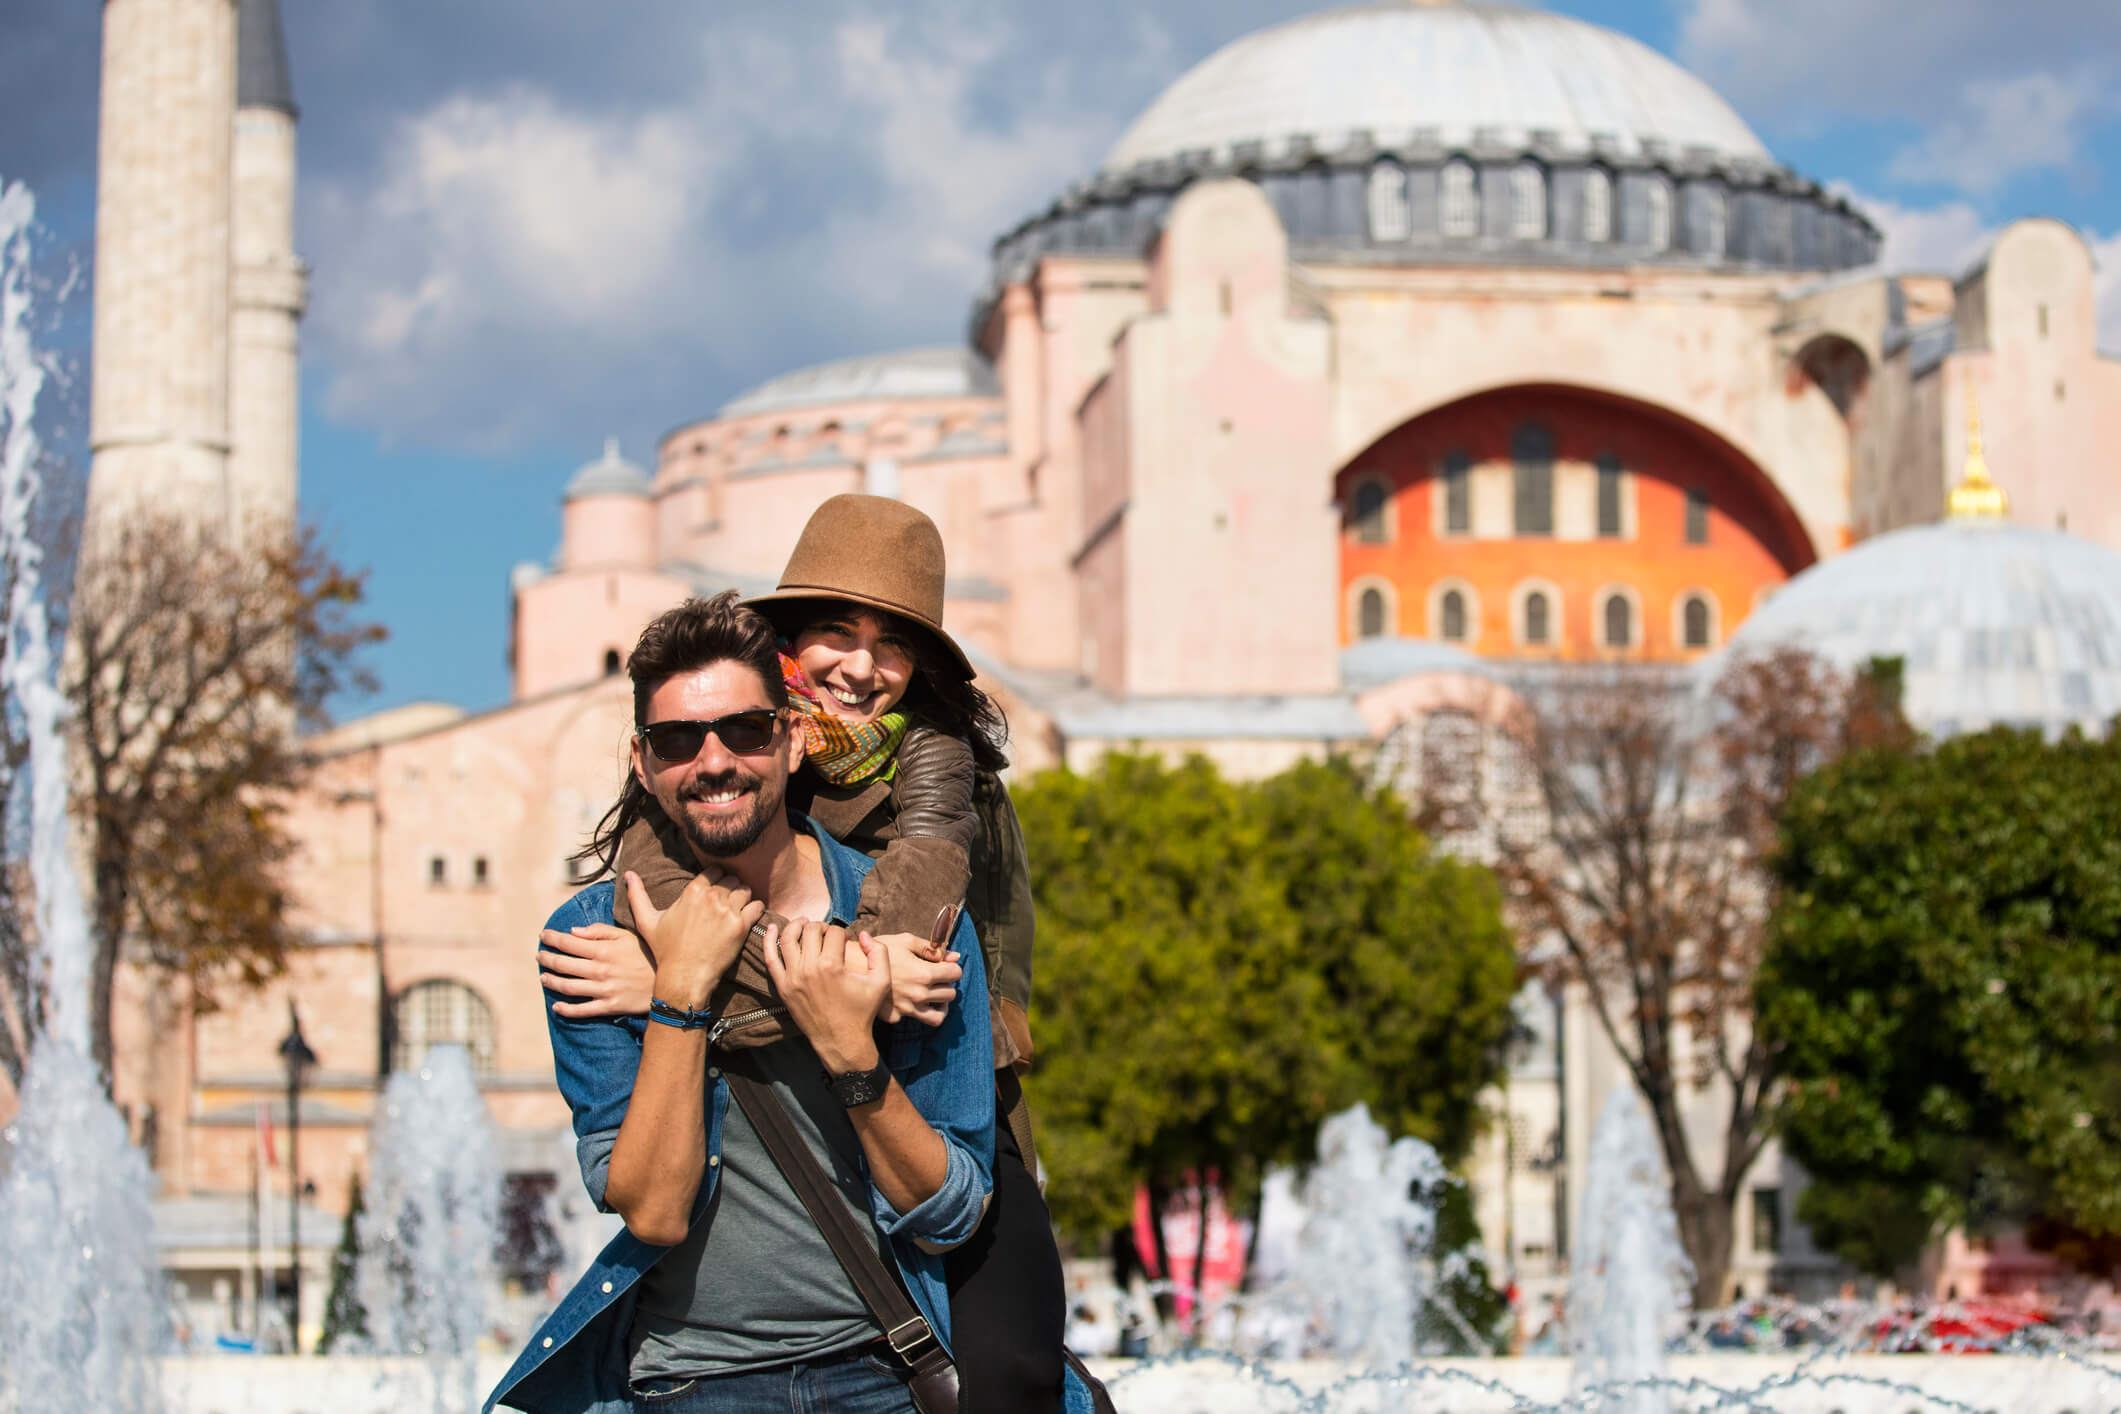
<point>1008,1305</point>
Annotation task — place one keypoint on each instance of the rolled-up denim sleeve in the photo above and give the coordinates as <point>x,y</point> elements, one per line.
<point>952,1085</point>
<point>594,1060</point>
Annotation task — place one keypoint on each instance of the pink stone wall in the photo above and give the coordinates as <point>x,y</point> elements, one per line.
<point>567,624</point>
<point>1228,410</point>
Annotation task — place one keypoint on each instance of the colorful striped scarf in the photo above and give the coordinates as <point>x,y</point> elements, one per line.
<point>845,753</point>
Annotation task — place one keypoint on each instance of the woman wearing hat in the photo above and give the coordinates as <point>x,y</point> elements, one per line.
<point>902,755</point>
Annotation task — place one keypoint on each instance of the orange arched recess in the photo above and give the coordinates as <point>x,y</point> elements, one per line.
<point>1697,519</point>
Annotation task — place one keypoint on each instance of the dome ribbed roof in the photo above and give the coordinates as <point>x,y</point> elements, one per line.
<point>952,372</point>
<point>1458,72</point>
<point>1996,623</point>
<point>609,475</point>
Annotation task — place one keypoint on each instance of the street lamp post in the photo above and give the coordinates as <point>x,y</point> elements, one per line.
<point>299,1059</point>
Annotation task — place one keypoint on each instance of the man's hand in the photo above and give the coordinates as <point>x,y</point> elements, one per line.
<point>697,938</point>
<point>606,969</point>
<point>834,987</point>
<point>923,979</point>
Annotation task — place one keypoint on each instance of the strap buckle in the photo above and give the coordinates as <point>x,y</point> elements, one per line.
<point>913,1340</point>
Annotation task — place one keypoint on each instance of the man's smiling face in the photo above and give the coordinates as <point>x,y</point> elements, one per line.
<point>724,800</point>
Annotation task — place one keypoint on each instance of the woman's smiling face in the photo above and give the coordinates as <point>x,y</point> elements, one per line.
<point>860,661</point>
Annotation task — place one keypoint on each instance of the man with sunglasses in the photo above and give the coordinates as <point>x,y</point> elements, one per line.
<point>722,1294</point>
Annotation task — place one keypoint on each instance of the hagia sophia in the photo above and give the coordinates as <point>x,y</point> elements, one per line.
<point>1389,349</point>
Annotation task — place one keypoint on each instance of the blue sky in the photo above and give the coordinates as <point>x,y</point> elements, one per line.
<point>533,224</point>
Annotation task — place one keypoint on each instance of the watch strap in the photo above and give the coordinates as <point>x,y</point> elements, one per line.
<point>861,1087</point>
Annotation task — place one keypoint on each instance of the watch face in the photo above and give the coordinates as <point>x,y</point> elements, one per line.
<point>862,1087</point>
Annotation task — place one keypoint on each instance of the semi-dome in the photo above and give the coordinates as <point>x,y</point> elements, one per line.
<point>1995,623</point>
<point>609,475</point>
<point>1457,73</point>
<point>905,374</point>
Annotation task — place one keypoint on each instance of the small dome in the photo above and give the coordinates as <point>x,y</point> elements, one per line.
<point>1460,72</point>
<point>909,373</point>
<point>1996,623</point>
<point>610,475</point>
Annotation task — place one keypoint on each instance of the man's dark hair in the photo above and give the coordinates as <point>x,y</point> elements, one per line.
<point>696,634</point>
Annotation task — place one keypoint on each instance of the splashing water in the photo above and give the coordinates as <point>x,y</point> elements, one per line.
<point>427,1239</point>
<point>1629,1286</point>
<point>79,1319</point>
<point>1363,1271</point>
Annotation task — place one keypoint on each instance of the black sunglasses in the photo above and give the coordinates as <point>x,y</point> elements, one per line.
<point>744,733</point>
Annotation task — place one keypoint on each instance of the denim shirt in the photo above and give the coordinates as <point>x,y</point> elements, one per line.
<point>575,1362</point>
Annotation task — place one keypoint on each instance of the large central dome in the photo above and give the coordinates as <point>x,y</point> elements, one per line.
<point>1457,72</point>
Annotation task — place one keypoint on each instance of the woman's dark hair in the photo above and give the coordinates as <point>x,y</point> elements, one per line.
<point>696,634</point>
<point>940,697</point>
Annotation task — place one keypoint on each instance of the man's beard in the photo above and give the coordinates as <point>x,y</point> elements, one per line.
<point>725,837</point>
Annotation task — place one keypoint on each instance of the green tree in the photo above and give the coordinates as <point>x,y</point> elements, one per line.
<point>345,1318</point>
<point>1221,966</point>
<point>1943,986</point>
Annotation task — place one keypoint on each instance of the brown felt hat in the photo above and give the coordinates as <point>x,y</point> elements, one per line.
<point>868,550</point>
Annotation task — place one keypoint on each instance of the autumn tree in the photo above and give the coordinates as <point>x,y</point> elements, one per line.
<point>192,661</point>
<point>1630,822</point>
<point>1223,965</point>
<point>1943,982</point>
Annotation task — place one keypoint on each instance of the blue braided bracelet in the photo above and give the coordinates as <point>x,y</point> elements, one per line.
<point>683,1018</point>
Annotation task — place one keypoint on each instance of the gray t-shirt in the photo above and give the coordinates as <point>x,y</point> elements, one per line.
<point>754,1284</point>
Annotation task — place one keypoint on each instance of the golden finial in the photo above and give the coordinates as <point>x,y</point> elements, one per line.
<point>1976,497</point>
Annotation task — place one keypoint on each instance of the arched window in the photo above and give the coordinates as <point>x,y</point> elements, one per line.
<point>611,662</point>
<point>1532,471</point>
<point>442,1012</point>
<point>1695,628</point>
<point>1457,494</point>
<point>1528,201</point>
<point>1712,222</point>
<point>1388,202</point>
<point>1370,614</point>
<point>1657,205</point>
<point>1451,617</point>
<point>1368,513</point>
<point>1597,205</point>
<point>1619,621</point>
<point>1536,628</point>
<point>1459,201</point>
<point>1612,523</point>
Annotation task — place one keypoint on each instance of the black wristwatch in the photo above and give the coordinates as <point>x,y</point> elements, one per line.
<point>860,1087</point>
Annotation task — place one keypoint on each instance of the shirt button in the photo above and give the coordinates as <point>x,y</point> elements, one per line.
<point>548,1342</point>
<point>714,1161</point>
<point>607,1288</point>
<point>714,1072</point>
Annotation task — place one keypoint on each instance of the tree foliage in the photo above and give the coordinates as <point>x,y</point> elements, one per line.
<point>191,660</point>
<point>1223,965</point>
<point>1944,985</point>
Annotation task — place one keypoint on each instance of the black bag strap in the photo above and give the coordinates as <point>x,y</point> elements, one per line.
<point>933,1381</point>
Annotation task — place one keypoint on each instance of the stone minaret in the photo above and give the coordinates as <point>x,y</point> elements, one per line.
<point>158,416</point>
<point>271,284</point>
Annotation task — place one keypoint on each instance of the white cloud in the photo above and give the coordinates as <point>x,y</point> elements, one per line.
<point>1803,64</point>
<point>519,262</point>
<point>1932,239</point>
<point>2004,127</point>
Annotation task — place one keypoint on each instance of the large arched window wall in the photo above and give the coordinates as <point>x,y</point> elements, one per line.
<point>1579,491</point>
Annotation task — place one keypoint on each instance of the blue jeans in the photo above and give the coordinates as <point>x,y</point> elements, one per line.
<point>854,1383</point>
